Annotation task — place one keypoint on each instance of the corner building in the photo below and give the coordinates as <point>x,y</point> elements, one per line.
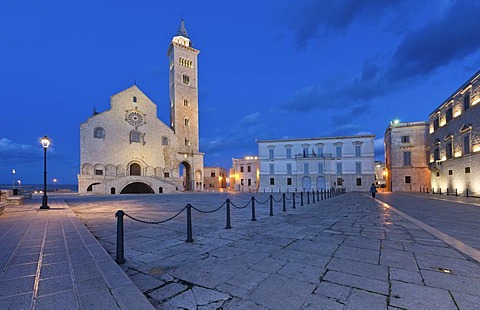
<point>317,163</point>
<point>454,141</point>
<point>128,149</point>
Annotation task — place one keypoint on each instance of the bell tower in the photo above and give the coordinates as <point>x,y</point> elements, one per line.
<point>183,84</point>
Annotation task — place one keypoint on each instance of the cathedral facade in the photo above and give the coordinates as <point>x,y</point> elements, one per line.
<point>128,149</point>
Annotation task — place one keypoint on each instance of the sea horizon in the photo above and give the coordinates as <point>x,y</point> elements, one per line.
<point>39,187</point>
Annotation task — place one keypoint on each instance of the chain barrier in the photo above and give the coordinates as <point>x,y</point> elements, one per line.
<point>243,207</point>
<point>277,200</point>
<point>157,222</point>
<point>262,203</point>
<point>207,212</point>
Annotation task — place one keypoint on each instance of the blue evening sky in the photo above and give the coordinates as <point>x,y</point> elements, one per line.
<point>267,69</point>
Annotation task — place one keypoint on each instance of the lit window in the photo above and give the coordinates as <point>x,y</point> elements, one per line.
<point>99,133</point>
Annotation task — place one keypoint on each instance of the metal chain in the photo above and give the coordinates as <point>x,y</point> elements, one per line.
<point>201,211</point>
<point>236,207</point>
<point>268,199</point>
<point>158,222</point>
<point>276,199</point>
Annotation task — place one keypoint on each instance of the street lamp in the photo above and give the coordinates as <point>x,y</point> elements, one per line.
<point>13,179</point>
<point>45,143</point>
<point>54,185</point>
<point>19,185</point>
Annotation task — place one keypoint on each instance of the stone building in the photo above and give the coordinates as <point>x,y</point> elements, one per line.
<point>317,163</point>
<point>244,174</point>
<point>454,141</point>
<point>405,156</point>
<point>128,149</point>
<point>214,178</point>
<point>380,173</point>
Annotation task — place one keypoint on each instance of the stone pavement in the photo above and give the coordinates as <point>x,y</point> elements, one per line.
<point>49,260</point>
<point>347,252</point>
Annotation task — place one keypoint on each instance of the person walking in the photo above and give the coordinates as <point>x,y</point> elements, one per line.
<point>373,190</point>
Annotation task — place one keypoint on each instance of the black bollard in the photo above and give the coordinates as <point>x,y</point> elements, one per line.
<point>189,223</point>
<point>308,197</point>
<point>313,196</point>
<point>427,190</point>
<point>318,195</point>
<point>467,192</point>
<point>253,209</point>
<point>284,203</point>
<point>120,248</point>
<point>301,199</point>
<point>447,191</point>
<point>271,205</point>
<point>293,199</point>
<point>321,194</point>
<point>228,215</point>
<point>456,193</point>
<point>433,191</point>
<point>440,190</point>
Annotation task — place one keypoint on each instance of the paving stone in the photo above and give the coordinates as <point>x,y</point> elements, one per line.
<point>315,302</point>
<point>332,290</point>
<point>466,301</point>
<point>406,276</point>
<point>90,286</point>
<point>452,282</point>
<point>398,259</point>
<point>249,279</point>
<point>23,301</point>
<point>413,296</point>
<point>54,285</point>
<point>54,270</point>
<point>98,300</point>
<point>204,296</point>
<point>61,300</point>
<point>459,266</point>
<point>21,270</point>
<point>360,299</point>
<point>302,272</point>
<point>168,291</point>
<point>373,271</point>
<point>129,297</point>
<point>22,285</point>
<point>145,282</point>
<point>357,281</point>
<point>279,292</point>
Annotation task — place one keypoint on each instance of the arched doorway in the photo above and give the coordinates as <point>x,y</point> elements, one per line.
<point>137,188</point>
<point>321,183</point>
<point>90,187</point>
<point>135,169</point>
<point>306,183</point>
<point>185,172</point>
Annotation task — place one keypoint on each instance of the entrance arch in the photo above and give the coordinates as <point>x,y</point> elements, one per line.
<point>90,187</point>
<point>137,188</point>
<point>321,183</point>
<point>307,183</point>
<point>185,172</point>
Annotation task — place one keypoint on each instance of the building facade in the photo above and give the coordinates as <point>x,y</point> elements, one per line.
<point>128,149</point>
<point>244,174</point>
<point>406,161</point>
<point>214,178</point>
<point>454,141</point>
<point>380,173</point>
<point>317,163</point>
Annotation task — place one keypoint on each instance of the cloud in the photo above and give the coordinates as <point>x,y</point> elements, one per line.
<point>438,43</point>
<point>379,149</point>
<point>11,152</point>
<point>310,20</point>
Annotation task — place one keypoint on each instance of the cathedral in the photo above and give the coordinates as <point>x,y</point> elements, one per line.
<point>128,149</point>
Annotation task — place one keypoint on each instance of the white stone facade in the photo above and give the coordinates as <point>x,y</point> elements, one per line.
<point>214,178</point>
<point>244,175</point>
<point>317,163</point>
<point>454,141</point>
<point>127,149</point>
<point>405,156</point>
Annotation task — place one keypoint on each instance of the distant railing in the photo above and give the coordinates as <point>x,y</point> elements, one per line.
<point>228,204</point>
<point>450,192</point>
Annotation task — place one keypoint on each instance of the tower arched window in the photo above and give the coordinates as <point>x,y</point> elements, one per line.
<point>99,133</point>
<point>135,136</point>
<point>187,122</point>
<point>134,99</point>
<point>187,142</point>
<point>185,102</point>
<point>164,140</point>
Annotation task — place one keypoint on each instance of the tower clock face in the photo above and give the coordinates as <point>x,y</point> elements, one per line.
<point>135,118</point>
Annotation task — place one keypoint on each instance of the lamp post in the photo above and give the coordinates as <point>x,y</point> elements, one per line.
<point>19,185</point>
<point>54,185</point>
<point>45,143</point>
<point>13,179</point>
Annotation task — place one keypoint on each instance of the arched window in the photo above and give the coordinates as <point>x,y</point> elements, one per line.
<point>164,140</point>
<point>187,142</point>
<point>99,133</point>
<point>135,136</point>
<point>187,122</point>
<point>135,169</point>
<point>134,99</point>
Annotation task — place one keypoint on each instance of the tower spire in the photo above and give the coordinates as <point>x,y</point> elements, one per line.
<point>182,31</point>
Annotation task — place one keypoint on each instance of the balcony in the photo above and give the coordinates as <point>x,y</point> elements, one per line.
<point>435,166</point>
<point>315,156</point>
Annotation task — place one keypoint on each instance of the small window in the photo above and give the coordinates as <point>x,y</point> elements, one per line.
<point>436,124</point>
<point>305,168</point>
<point>466,101</point>
<point>187,142</point>
<point>99,133</point>
<point>112,191</point>
<point>466,144</point>
<point>358,167</point>
<point>249,182</point>
<point>289,181</point>
<point>449,150</point>
<point>166,174</point>
<point>436,154</point>
<point>134,99</point>
<point>339,181</point>
<point>320,167</point>
<point>338,151</point>
<point>359,181</point>
<point>241,168</point>
<point>339,168</point>
<point>467,169</point>
<point>187,122</point>
<point>407,158</point>
<point>358,150</point>
<point>98,172</point>
<point>272,181</point>
<point>185,102</point>
<point>241,182</point>
<point>249,168</point>
<point>272,168</point>
<point>305,152</point>
<point>320,151</point>
<point>408,179</point>
<point>449,114</point>
<point>438,174</point>
<point>212,174</point>
<point>135,136</point>
<point>271,154</point>
<point>186,79</point>
<point>289,168</point>
<point>450,172</point>
<point>164,140</point>
<point>405,139</point>
<point>289,153</point>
